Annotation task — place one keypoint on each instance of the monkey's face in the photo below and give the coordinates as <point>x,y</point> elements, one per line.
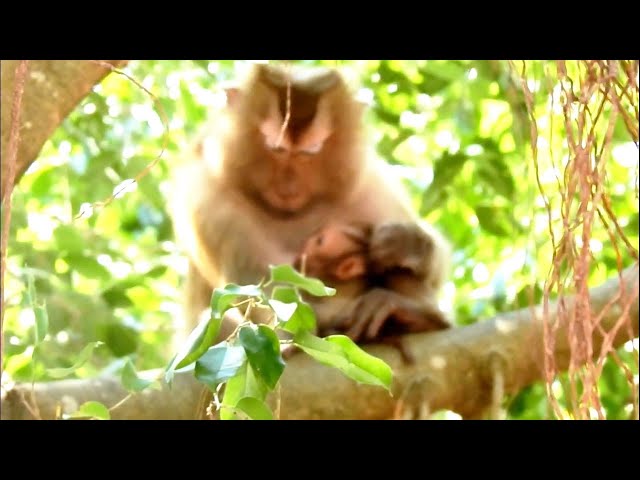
<point>291,182</point>
<point>333,253</point>
<point>292,166</point>
<point>293,145</point>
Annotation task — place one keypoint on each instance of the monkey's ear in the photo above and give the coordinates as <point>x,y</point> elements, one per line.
<point>351,267</point>
<point>233,95</point>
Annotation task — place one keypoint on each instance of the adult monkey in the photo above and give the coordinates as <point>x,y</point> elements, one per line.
<point>251,192</point>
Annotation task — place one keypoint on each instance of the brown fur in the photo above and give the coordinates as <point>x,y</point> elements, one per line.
<point>242,201</point>
<point>338,254</point>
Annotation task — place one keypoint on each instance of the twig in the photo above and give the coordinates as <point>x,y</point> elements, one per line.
<point>287,116</point>
<point>151,164</point>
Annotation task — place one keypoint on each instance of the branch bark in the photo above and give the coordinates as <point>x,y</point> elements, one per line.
<point>454,370</point>
<point>52,91</point>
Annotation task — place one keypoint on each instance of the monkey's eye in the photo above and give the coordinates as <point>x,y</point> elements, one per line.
<point>319,240</point>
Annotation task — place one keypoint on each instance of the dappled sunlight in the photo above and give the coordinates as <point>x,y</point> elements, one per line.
<point>365,95</point>
<point>416,121</point>
<point>505,326</point>
<point>40,226</point>
<point>445,415</point>
<point>625,155</point>
<point>446,139</point>
<point>480,273</point>
<point>458,133</point>
<point>437,362</point>
<point>26,318</point>
<point>631,346</point>
<point>447,299</point>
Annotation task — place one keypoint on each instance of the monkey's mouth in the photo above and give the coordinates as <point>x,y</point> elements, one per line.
<point>287,205</point>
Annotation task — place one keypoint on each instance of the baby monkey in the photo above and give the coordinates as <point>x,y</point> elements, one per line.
<point>338,254</point>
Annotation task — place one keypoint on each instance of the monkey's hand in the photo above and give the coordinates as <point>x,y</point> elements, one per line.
<point>288,351</point>
<point>400,245</point>
<point>370,312</point>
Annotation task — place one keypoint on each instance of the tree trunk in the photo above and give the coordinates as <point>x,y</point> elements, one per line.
<point>455,370</point>
<point>52,91</point>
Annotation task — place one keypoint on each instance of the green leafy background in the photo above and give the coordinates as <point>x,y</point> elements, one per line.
<point>452,130</point>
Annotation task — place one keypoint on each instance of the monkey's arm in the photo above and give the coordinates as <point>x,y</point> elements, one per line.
<point>217,241</point>
<point>220,242</point>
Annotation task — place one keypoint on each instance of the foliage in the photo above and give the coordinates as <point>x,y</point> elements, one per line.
<point>250,362</point>
<point>456,131</point>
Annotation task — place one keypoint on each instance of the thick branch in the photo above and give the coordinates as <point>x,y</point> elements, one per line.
<point>52,91</point>
<point>453,370</point>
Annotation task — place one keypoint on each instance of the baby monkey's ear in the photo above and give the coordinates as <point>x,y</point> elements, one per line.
<point>351,266</point>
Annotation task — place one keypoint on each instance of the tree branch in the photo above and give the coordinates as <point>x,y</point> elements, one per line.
<point>52,91</point>
<point>454,370</point>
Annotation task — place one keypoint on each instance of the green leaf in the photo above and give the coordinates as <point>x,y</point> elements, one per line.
<point>433,198</point>
<point>130,379</point>
<point>39,310</point>
<point>342,353</point>
<point>121,339</point>
<point>31,289</point>
<point>244,383</point>
<point>284,311</point>
<point>254,408</point>
<point>493,171</point>
<point>224,298</point>
<point>302,318</point>
<point>156,271</point>
<point>82,359</point>
<point>287,274</point>
<point>445,69</point>
<point>117,297</point>
<point>197,343</point>
<point>445,170</point>
<point>42,322</point>
<point>69,239</point>
<point>87,266</point>
<point>523,299</point>
<point>633,226</point>
<point>219,364</point>
<point>43,185</point>
<point>193,111</point>
<point>494,219</point>
<point>432,84</point>
<point>263,351</point>
<point>92,410</point>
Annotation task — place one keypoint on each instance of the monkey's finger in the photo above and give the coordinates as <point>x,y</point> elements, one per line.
<point>362,317</point>
<point>289,351</point>
<point>379,319</point>
<point>344,320</point>
<point>366,311</point>
<point>435,319</point>
<point>355,332</point>
<point>408,317</point>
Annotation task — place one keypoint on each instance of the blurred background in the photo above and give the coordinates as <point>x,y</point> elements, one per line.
<point>458,132</point>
